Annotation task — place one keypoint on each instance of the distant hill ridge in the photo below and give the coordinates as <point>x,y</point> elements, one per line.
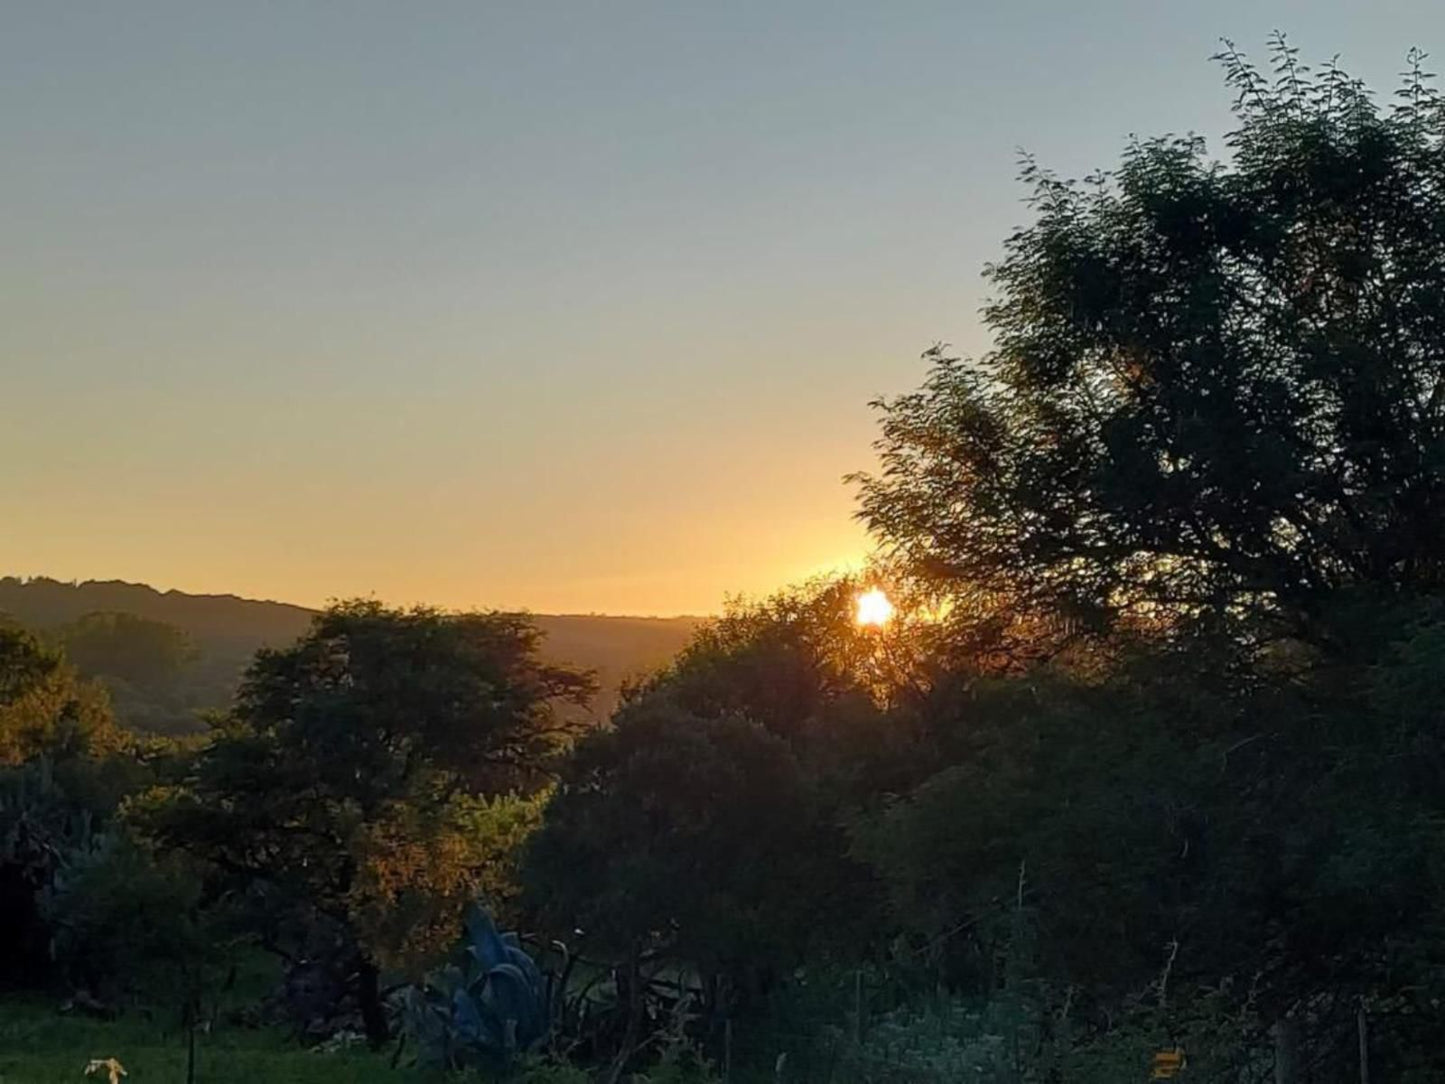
<point>229,629</point>
<point>43,602</point>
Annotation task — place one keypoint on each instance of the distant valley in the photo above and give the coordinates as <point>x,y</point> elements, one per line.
<point>226,631</point>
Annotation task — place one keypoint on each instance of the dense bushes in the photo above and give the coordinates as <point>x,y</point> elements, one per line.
<point>123,921</point>
<point>64,768</point>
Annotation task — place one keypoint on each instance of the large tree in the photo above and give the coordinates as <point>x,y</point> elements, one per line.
<point>1217,386</point>
<point>344,782</point>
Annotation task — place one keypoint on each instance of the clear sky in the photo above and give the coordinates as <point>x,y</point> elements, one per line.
<point>565,306</point>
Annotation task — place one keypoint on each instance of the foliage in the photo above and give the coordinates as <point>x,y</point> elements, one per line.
<point>45,708</point>
<point>51,811</point>
<point>1215,386</point>
<point>38,824</point>
<point>418,873</point>
<point>1268,846</point>
<point>551,1071</point>
<point>697,845</point>
<point>681,1059</point>
<point>682,835</point>
<point>487,1007</point>
<point>391,693</point>
<point>339,781</point>
<point>680,1064</point>
<point>1052,784</point>
<point>126,921</point>
<point>790,660</point>
<point>840,694</point>
<point>780,661</point>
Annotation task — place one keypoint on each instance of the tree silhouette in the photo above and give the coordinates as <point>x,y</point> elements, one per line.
<point>1217,387</point>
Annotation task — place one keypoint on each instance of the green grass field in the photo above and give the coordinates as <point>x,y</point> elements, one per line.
<point>38,1045</point>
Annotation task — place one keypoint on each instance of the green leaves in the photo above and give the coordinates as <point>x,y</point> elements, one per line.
<point>348,779</point>
<point>44,708</point>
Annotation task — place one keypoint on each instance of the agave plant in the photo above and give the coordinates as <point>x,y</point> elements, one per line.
<point>486,1007</point>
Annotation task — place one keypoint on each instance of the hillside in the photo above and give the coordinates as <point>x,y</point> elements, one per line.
<point>227,631</point>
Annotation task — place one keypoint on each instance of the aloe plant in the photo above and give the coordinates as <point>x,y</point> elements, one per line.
<point>486,1007</point>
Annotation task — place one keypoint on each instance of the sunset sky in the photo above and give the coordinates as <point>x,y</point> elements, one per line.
<point>571,307</point>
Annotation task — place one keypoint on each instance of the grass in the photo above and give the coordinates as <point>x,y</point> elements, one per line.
<point>38,1045</point>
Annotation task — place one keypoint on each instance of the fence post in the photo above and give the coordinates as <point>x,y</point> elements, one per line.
<point>727,1051</point>
<point>858,1007</point>
<point>1362,1027</point>
<point>1286,1051</point>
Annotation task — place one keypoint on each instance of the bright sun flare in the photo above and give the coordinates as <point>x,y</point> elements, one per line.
<point>874,608</point>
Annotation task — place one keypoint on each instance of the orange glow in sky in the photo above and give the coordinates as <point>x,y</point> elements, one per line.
<point>355,303</point>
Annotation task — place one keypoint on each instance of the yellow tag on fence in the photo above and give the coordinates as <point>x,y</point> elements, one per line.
<point>1167,1064</point>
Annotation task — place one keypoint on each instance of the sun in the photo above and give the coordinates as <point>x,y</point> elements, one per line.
<point>874,608</point>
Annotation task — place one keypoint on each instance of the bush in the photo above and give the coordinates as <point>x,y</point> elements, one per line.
<point>123,921</point>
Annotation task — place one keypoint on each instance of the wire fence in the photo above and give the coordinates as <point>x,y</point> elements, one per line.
<point>865,1042</point>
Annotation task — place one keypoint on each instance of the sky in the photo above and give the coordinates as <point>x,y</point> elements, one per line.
<point>572,307</point>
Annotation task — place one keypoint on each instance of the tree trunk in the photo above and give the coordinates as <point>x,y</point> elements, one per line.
<point>633,974</point>
<point>368,996</point>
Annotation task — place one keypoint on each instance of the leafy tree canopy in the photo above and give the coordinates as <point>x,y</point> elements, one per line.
<point>44,707</point>
<point>685,835</point>
<point>1217,386</point>
<point>345,778</point>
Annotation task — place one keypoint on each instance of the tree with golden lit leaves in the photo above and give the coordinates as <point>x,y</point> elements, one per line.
<point>348,782</point>
<point>45,708</point>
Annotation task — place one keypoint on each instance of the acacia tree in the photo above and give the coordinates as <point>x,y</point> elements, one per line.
<point>339,782</point>
<point>1216,387</point>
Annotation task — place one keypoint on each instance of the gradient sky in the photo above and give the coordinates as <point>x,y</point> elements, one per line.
<point>561,306</point>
